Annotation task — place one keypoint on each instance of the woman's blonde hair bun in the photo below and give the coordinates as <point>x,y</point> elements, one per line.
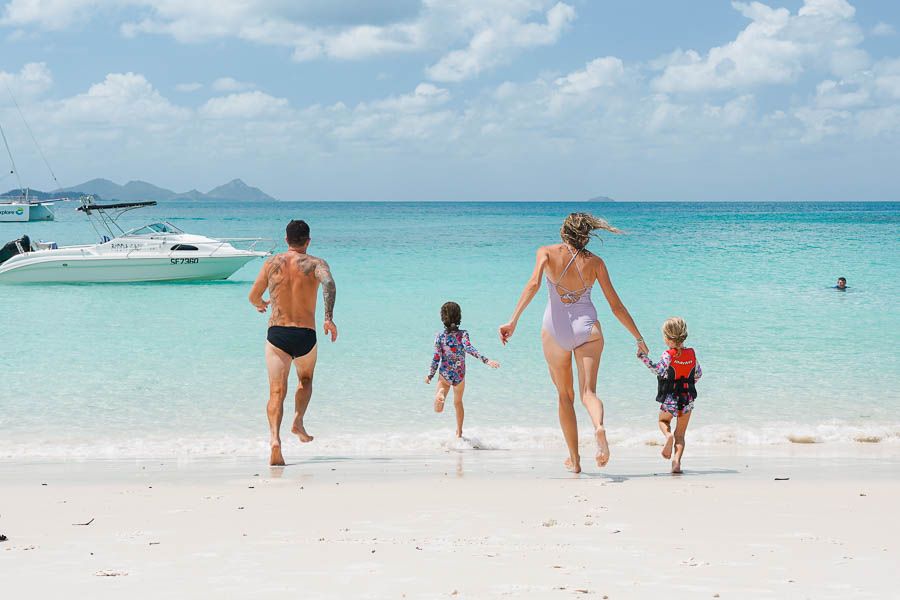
<point>578,228</point>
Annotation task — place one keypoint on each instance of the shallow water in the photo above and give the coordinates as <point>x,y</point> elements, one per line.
<point>162,369</point>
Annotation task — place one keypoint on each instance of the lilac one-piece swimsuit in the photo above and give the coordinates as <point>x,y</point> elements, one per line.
<point>570,316</point>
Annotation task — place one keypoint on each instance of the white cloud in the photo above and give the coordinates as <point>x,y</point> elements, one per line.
<point>821,122</point>
<point>840,95</point>
<point>496,40</point>
<point>49,15</point>
<point>883,29</point>
<point>32,80</point>
<point>887,78</point>
<point>775,48</point>
<point>245,105</point>
<point>229,84</point>
<point>473,35</point>
<point>188,87</point>
<point>120,100</point>
<point>419,115</point>
<point>600,72</point>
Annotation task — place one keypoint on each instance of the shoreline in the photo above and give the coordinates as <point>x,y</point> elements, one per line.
<point>814,461</point>
<point>829,438</point>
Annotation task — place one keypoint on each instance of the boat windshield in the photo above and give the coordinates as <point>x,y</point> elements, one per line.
<point>155,229</point>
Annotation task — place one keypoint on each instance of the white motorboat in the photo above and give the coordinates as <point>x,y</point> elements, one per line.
<point>154,252</point>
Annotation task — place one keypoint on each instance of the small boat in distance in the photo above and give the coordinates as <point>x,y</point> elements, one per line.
<point>20,206</point>
<point>23,208</point>
<point>155,252</point>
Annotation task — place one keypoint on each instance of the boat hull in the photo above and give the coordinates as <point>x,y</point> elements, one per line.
<point>114,269</point>
<point>20,213</point>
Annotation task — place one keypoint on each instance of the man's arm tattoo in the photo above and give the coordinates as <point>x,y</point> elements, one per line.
<point>329,291</point>
<point>276,278</point>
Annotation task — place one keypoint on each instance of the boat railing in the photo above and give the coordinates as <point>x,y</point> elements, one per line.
<point>251,244</point>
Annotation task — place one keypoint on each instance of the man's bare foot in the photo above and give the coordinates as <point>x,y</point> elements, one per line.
<point>275,458</point>
<point>300,432</point>
<point>439,402</point>
<point>573,465</point>
<point>667,447</point>
<point>676,468</point>
<point>602,447</point>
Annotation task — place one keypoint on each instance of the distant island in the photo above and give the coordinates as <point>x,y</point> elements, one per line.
<point>601,199</point>
<point>135,191</point>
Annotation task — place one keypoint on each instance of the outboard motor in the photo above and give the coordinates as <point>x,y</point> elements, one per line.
<point>19,246</point>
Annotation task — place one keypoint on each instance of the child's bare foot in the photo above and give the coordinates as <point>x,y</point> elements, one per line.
<point>275,458</point>
<point>602,447</point>
<point>298,430</point>
<point>439,402</point>
<point>573,464</point>
<point>667,447</point>
<point>676,468</point>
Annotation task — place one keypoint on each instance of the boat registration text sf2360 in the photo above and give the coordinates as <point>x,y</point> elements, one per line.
<point>184,261</point>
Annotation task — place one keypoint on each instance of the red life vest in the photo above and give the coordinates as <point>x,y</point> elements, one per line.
<point>679,377</point>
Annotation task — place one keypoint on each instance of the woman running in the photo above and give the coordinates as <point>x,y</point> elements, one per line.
<point>570,325</point>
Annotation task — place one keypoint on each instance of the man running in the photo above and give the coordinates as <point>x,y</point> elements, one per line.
<point>293,279</point>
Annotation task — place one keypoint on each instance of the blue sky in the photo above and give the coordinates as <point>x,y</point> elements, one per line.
<point>461,99</point>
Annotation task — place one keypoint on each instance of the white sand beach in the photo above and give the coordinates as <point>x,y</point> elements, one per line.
<point>456,525</point>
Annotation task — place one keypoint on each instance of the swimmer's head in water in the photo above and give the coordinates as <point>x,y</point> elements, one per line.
<point>578,228</point>
<point>297,233</point>
<point>675,331</point>
<point>842,282</point>
<point>451,316</point>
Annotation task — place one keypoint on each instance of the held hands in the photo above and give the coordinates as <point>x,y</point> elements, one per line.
<point>506,331</point>
<point>642,348</point>
<point>261,306</point>
<point>331,329</point>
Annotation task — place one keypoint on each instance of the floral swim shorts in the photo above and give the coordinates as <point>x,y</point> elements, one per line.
<point>670,405</point>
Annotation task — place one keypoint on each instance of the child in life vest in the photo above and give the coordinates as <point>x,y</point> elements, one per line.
<point>676,373</point>
<point>450,349</point>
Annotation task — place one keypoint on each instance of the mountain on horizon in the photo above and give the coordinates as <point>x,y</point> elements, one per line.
<point>137,190</point>
<point>237,190</point>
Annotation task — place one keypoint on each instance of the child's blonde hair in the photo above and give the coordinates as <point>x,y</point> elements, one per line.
<point>675,329</point>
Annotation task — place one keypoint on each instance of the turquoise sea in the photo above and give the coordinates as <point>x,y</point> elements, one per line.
<point>163,370</point>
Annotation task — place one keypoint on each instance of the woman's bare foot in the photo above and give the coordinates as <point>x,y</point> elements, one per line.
<point>602,446</point>
<point>676,468</point>
<point>573,464</point>
<point>439,402</point>
<point>459,434</point>
<point>667,447</point>
<point>300,432</point>
<point>275,458</point>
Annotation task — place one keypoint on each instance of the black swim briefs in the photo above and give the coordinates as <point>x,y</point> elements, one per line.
<point>295,341</point>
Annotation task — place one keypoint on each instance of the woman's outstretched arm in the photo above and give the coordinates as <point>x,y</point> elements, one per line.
<point>531,288</point>
<point>618,309</point>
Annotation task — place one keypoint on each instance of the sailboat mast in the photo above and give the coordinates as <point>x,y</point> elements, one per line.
<point>11,159</point>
